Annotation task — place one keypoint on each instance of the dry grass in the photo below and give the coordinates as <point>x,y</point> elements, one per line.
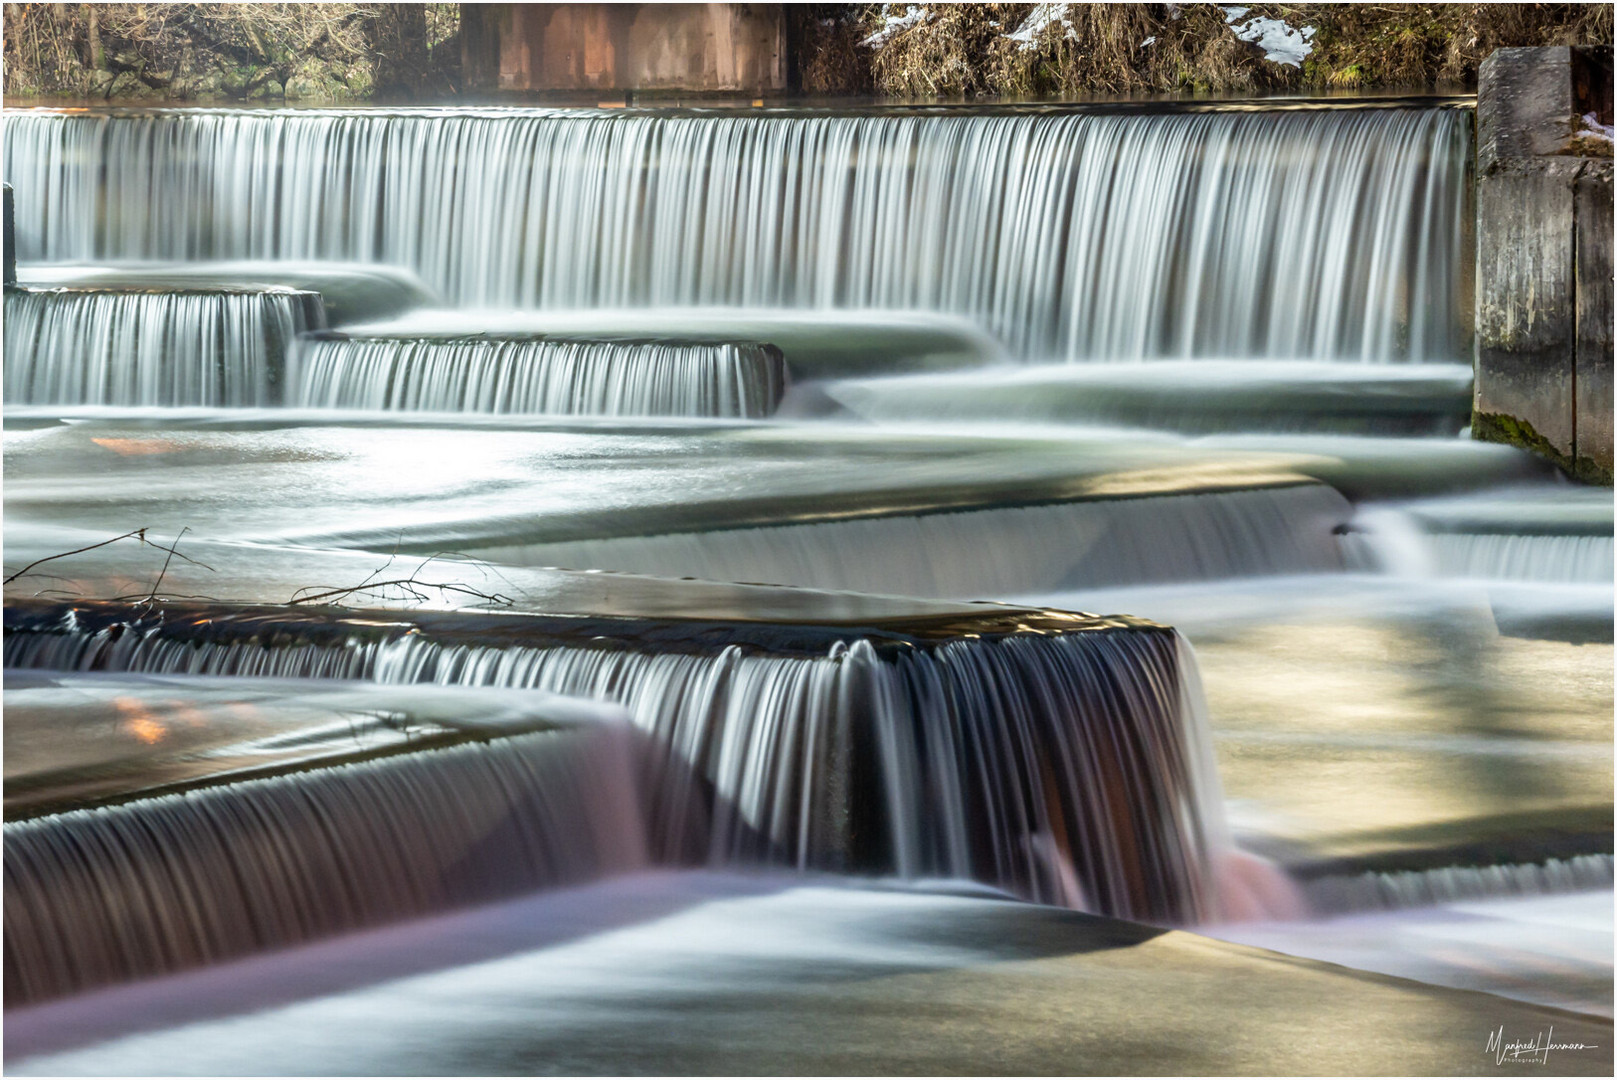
<point>824,43</point>
<point>963,50</point>
<point>238,50</point>
<point>243,50</point>
<point>1434,44</point>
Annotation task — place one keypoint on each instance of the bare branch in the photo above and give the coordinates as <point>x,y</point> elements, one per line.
<point>141,533</point>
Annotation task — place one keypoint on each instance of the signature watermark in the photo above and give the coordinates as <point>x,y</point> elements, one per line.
<point>1534,1051</point>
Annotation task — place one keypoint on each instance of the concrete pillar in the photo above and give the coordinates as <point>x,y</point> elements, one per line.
<point>1544,270</point>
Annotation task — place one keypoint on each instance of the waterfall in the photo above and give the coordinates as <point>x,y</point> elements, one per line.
<point>596,378</point>
<point>1195,397</point>
<point>1062,766</point>
<point>1325,234</point>
<point>1493,535</point>
<point>215,348</point>
<point>1523,558</point>
<point>993,553</point>
<point>1451,884</point>
<point>114,893</point>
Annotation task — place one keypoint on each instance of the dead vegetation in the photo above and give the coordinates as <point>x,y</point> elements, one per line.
<point>336,52</point>
<point>823,45</point>
<point>247,51</point>
<point>1436,44</point>
<point>1029,50</point>
<point>412,588</point>
<point>415,587</point>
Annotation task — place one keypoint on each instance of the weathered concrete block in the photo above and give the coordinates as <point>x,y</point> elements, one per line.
<point>1524,105</point>
<point>1543,292</point>
<point>1593,422</point>
<point>1526,307</point>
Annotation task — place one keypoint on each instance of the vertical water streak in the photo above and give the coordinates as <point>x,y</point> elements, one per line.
<point>1057,766</point>
<point>574,378</point>
<point>993,553</point>
<point>1371,891</point>
<point>224,348</point>
<point>156,885</point>
<point>1326,234</point>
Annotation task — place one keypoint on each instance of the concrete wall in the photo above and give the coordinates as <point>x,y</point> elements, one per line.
<point>1544,269</point>
<point>624,47</point>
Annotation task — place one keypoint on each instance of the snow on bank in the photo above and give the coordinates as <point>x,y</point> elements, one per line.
<point>1040,19</point>
<point>1279,42</point>
<point>914,15</point>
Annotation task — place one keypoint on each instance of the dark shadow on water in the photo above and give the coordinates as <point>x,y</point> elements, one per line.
<point>995,929</point>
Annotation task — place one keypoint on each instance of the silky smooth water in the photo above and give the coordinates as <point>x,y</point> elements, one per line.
<point>1398,677</point>
<point>85,347</point>
<point>114,893</point>
<point>569,378</point>
<point>1311,234</point>
<point>993,553</point>
<point>999,760</point>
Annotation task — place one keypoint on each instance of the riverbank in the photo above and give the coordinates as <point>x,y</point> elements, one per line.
<point>330,53</point>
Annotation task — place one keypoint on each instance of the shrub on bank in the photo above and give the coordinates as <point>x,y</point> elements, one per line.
<point>239,52</point>
<point>927,50</point>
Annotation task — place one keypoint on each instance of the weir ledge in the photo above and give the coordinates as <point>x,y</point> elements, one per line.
<point>1544,262</point>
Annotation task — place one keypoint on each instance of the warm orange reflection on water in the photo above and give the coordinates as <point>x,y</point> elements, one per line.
<point>138,722</point>
<point>136,447</point>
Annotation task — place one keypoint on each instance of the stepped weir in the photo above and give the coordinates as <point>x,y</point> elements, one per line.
<point>388,369</point>
<point>920,751</point>
<point>1058,757</point>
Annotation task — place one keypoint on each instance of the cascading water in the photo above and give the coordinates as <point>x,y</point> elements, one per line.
<point>1417,888</point>
<point>214,348</point>
<point>1072,768</point>
<point>102,895</point>
<point>1290,234</point>
<point>997,552</point>
<point>1507,534</point>
<point>1060,766</point>
<point>590,378</point>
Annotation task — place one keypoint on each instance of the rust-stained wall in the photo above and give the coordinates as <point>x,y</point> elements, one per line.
<point>615,47</point>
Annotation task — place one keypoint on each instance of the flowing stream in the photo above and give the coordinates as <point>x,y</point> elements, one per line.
<point>711,345</point>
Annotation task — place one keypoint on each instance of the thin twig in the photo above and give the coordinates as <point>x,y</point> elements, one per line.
<point>161,574</point>
<point>141,533</point>
<point>137,534</point>
<point>411,585</point>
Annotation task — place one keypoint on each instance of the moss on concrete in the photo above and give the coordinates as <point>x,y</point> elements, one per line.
<point>1500,428</point>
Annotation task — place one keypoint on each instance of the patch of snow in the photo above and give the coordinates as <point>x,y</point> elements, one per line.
<point>1040,19</point>
<point>913,15</point>
<point>1593,126</point>
<point>1279,42</point>
<point>1232,13</point>
<point>1174,13</point>
<point>1149,41</point>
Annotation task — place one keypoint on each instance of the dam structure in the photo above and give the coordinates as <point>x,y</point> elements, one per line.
<point>466,564</point>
